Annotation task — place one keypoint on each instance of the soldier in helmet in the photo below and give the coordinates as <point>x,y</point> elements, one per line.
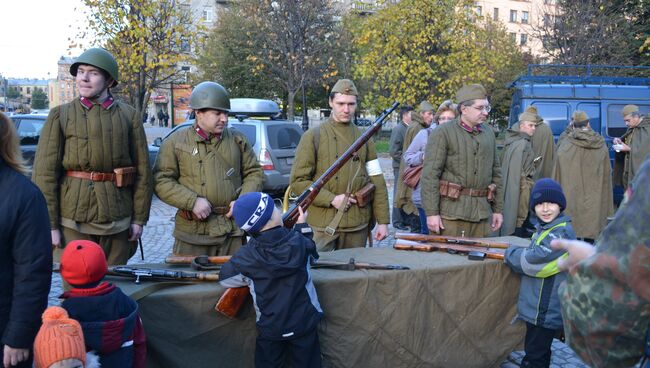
<point>337,219</point>
<point>202,171</point>
<point>92,164</point>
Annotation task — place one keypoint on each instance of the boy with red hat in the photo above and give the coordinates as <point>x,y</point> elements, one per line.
<point>109,318</point>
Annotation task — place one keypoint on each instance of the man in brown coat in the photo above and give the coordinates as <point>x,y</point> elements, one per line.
<point>396,151</point>
<point>403,198</point>
<point>92,164</point>
<point>202,171</point>
<point>633,146</point>
<point>336,218</point>
<point>542,143</point>
<point>583,170</point>
<point>461,177</point>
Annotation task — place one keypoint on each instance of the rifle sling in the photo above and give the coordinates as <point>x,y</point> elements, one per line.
<point>334,224</point>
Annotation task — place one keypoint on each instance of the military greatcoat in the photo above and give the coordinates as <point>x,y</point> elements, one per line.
<point>627,164</point>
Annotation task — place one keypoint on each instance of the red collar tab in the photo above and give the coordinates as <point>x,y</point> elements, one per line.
<point>87,103</point>
<point>101,289</point>
<point>470,129</point>
<point>205,135</point>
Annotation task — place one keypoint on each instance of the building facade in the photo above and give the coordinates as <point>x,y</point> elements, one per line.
<point>62,89</point>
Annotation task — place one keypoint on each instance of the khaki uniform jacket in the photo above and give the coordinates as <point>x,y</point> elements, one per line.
<point>309,165</point>
<point>468,159</point>
<point>583,170</point>
<point>95,139</point>
<point>404,196</point>
<point>517,174</point>
<point>397,144</point>
<point>219,170</point>
<point>627,164</point>
<point>544,146</point>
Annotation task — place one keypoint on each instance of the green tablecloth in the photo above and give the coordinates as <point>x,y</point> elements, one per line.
<point>446,311</point>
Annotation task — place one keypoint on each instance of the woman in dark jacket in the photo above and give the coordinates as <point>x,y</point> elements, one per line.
<point>25,253</point>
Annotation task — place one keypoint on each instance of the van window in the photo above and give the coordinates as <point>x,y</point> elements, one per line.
<point>284,136</point>
<point>248,130</point>
<point>593,112</point>
<point>615,124</point>
<point>555,114</point>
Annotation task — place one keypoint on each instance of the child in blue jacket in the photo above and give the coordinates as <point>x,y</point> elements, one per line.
<point>275,264</point>
<point>539,302</point>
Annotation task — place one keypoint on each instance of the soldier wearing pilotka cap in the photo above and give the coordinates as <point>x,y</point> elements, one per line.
<point>633,146</point>
<point>461,177</point>
<point>337,219</point>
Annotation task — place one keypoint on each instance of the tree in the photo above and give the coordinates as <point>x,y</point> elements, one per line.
<point>288,44</point>
<point>597,32</point>
<point>148,38</point>
<point>12,93</point>
<point>39,99</point>
<point>426,49</point>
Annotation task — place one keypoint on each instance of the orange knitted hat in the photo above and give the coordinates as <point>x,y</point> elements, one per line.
<point>59,338</point>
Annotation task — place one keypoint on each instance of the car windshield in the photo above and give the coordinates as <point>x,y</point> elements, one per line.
<point>284,136</point>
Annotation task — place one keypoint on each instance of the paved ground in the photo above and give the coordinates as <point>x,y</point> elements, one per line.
<point>157,243</point>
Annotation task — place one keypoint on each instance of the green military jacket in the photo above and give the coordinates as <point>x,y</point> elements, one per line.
<point>96,139</point>
<point>544,147</point>
<point>517,174</point>
<point>468,159</point>
<point>334,139</point>
<point>404,196</point>
<point>627,164</point>
<point>219,170</point>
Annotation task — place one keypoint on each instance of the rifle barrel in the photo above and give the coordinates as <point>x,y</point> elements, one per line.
<point>472,242</point>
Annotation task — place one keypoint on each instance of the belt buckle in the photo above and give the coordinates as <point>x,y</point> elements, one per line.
<point>330,231</point>
<point>93,177</point>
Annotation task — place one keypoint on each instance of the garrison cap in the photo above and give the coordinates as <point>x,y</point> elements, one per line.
<point>345,87</point>
<point>426,106</point>
<point>533,110</point>
<point>471,92</point>
<point>447,105</point>
<point>628,109</point>
<point>528,116</point>
<point>579,116</point>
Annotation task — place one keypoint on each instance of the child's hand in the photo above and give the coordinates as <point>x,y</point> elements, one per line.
<point>578,250</point>
<point>302,218</point>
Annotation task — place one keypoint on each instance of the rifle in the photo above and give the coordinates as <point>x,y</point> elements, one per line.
<point>232,300</point>
<point>200,263</point>
<point>352,265</point>
<point>471,251</point>
<point>472,242</point>
<point>160,274</point>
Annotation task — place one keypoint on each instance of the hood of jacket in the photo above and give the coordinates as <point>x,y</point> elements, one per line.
<point>586,138</point>
<point>513,136</point>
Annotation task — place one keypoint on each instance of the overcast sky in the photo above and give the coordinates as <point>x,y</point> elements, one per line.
<point>34,35</point>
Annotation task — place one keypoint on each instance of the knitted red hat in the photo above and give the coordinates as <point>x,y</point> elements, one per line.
<point>83,262</point>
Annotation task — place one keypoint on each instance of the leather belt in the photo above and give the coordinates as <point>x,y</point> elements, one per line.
<point>474,192</point>
<point>93,175</point>
<point>217,210</point>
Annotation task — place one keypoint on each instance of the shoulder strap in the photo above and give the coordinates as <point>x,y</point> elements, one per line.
<point>545,233</point>
<point>63,117</point>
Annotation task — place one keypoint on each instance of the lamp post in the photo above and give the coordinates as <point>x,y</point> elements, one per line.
<point>305,116</point>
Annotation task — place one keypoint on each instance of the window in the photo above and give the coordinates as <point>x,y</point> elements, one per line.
<point>547,20</point>
<point>556,115</point>
<point>615,124</point>
<point>513,16</point>
<point>479,11</point>
<point>207,14</point>
<point>496,14</point>
<point>523,39</point>
<point>29,90</point>
<point>513,36</point>
<point>524,17</point>
<point>284,136</point>
<point>549,2</point>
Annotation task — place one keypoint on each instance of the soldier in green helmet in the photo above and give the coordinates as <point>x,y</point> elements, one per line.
<point>337,219</point>
<point>92,164</point>
<point>202,171</point>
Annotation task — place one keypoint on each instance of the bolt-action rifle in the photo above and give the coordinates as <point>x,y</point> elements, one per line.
<point>231,301</point>
<point>160,274</point>
<point>473,252</point>
<point>471,242</point>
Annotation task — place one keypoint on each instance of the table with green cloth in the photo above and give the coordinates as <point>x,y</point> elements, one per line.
<point>446,311</point>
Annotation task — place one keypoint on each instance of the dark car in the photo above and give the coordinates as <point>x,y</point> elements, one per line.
<point>274,143</point>
<point>29,128</point>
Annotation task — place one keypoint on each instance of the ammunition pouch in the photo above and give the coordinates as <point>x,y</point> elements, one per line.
<point>491,192</point>
<point>124,176</point>
<point>450,190</point>
<point>365,194</point>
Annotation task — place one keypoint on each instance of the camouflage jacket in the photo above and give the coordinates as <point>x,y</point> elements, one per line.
<point>606,298</point>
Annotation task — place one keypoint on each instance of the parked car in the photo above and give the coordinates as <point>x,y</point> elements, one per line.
<point>29,128</point>
<point>362,122</point>
<point>274,143</point>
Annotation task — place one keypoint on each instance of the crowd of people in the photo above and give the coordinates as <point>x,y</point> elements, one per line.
<point>92,190</point>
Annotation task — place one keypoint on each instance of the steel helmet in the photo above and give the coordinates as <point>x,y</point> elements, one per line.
<point>210,95</point>
<point>98,58</point>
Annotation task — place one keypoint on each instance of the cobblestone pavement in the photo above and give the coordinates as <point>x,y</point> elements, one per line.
<point>157,242</point>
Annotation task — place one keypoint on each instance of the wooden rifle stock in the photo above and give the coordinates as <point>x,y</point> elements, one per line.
<point>402,244</point>
<point>472,242</point>
<point>234,298</point>
<point>185,260</point>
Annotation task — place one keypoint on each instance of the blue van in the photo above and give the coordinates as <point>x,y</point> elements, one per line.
<point>600,90</point>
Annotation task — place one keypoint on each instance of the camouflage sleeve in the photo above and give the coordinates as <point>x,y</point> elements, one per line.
<point>143,186</point>
<point>251,171</point>
<point>434,163</point>
<point>48,164</point>
<point>304,170</point>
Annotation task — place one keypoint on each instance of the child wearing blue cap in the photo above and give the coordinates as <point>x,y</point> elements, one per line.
<point>275,264</point>
<point>539,302</point>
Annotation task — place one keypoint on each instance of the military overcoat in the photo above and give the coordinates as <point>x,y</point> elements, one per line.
<point>627,164</point>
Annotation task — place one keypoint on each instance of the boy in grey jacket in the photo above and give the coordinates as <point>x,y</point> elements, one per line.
<point>539,303</point>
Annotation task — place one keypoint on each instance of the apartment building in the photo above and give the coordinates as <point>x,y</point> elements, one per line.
<point>62,89</point>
